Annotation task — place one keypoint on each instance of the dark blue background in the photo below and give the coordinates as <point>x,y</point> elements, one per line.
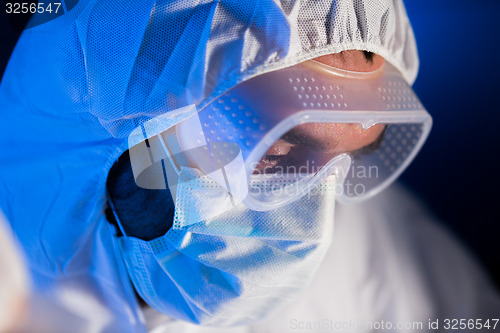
<point>457,172</point>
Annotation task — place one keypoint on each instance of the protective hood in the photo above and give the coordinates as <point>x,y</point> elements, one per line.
<point>127,63</point>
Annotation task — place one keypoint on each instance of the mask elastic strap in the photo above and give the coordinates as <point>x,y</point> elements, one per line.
<point>115,214</point>
<point>169,155</point>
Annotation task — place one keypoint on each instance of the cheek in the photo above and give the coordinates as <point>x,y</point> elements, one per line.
<point>355,137</point>
<point>338,137</point>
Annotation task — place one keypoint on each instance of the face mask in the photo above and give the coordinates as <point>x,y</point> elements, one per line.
<point>222,264</point>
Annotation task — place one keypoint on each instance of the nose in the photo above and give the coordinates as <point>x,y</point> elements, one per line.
<point>333,137</point>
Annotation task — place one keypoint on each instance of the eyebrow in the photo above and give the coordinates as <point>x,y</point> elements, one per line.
<point>369,56</point>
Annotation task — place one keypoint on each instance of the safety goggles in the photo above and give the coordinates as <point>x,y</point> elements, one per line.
<point>276,137</point>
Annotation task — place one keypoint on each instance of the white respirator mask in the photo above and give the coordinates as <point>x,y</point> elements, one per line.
<point>222,264</point>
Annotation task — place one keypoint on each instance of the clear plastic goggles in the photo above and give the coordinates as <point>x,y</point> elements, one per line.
<point>276,137</point>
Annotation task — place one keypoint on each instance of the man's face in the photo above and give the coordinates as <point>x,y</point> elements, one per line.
<point>325,139</point>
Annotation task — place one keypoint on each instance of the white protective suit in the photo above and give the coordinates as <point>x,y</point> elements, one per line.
<point>14,286</point>
<point>77,86</point>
